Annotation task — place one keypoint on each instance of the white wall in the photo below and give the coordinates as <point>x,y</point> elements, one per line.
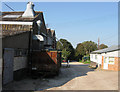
<point>92,57</point>
<point>108,54</point>
<point>97,60</point>
<point>20,62</point>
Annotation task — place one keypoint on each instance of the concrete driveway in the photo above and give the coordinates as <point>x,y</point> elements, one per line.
<point>77,77</point>
<point>88,79</point>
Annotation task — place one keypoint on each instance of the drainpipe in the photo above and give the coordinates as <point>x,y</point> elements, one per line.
<point>29,52</point>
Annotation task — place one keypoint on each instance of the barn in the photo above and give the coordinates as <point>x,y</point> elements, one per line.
<point>22,32</point>
<point>108,58</point>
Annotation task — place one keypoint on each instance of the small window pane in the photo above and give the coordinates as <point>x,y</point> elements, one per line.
<point>111,60</point>
<point>95,56</point>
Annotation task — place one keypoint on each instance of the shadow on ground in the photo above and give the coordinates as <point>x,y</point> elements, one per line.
<point>66,74</point>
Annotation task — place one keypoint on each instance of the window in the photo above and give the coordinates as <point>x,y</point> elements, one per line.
<point>91,56</point>
<point>17,53</point>
<point>105,60</point>
<point>111,60</point>
<point>95,56</point>
<point>20,52</point>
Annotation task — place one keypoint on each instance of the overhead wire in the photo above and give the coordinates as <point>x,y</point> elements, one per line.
<point>9,7</point>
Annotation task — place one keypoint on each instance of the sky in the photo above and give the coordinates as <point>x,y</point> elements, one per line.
<point>78,21</point>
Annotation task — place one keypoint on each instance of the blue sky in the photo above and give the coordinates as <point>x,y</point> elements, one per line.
<point>80,21</point>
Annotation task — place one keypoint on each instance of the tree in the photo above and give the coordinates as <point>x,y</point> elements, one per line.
<point>67,48</point>
<point>102,46</point>
<point>65,54</point>
<point>84,49</point>
<point>79,51</point>
<point>89,46</point>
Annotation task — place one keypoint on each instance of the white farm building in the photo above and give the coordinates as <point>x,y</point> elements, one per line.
<point>107,58</point>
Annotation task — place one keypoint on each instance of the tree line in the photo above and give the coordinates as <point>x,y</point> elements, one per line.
<point>82,49</point>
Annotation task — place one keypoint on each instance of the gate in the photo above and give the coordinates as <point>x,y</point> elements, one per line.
<point>8,65</point>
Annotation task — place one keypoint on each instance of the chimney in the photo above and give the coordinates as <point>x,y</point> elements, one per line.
<point>29,12</point>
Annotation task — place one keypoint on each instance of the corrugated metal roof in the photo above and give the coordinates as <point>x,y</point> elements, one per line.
<point>13,24</point>
<point>15,17</point>
<point>112,48</point>
<point>16,23</point>
<point>11,16</point>
<point>12,29</point>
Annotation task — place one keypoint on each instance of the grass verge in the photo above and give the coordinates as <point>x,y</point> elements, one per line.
<point>85,62</point>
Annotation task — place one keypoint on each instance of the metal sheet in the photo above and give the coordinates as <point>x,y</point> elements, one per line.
<point>38,37</point>
<point>11,16</point>
<point>8,65</point>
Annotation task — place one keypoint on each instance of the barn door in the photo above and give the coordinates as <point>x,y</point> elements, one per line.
<point>8,65</point>
<point>105,63</point>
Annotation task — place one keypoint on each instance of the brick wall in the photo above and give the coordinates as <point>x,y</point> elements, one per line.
<point>115,66</point>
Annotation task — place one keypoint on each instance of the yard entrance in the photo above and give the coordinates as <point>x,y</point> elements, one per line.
<point>76,77</point>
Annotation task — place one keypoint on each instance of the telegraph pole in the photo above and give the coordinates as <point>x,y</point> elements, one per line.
<point>98,42</point>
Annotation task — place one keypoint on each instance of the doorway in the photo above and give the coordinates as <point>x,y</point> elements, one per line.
<point>106,60</point>
<point>8,58</point>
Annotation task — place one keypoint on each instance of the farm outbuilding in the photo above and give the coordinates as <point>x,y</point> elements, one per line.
<point>22,32</point>
<point>108,58</point>
<point>53,39</point>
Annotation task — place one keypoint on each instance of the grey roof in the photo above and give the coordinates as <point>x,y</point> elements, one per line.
<point>109,49</point>
<point>17,16</point>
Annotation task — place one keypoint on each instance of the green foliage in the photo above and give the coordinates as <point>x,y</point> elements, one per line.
<point>67,49</point>
<point>102,46</point>
<point>89,46</point>
<point>84,48</point>
<point>79,52</point>
<point>85,58</point>
<point>65,54</point>
<point>85,62</point>
<point>80,60</point>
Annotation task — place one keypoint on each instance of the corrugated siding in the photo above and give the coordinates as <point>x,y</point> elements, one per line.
<point>11,29</point>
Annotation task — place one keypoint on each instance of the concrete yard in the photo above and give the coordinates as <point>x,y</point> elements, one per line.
<point>77,77</point>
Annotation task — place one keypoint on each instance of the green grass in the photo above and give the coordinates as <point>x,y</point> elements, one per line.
<point>85,62</point>
<point>80,60</point>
